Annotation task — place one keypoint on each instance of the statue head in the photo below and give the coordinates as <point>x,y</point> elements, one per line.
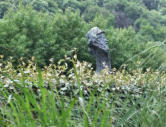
<point>96,39</point>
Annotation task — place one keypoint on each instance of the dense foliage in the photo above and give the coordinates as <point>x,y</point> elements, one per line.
<point>52,28</point>
<point>43,83</point>
<point>30,97</point>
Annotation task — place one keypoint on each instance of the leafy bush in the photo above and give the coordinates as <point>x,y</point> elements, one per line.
<point>52,97</point>
<point>123,45</point>
<point>154,52</point>
<point>26,33</point>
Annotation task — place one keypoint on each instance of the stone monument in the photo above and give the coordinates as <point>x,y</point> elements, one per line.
<point>98,47</point>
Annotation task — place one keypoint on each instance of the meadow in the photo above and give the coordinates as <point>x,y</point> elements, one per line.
<point>64,96</point>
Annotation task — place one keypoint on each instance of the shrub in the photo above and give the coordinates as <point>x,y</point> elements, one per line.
<point>51,97</point>
<point>26,33</point>
<point>123,45</point>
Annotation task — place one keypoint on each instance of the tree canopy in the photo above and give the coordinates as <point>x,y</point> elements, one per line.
<point>52,28</point>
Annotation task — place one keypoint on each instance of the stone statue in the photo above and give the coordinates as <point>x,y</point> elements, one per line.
<point>98,47</point>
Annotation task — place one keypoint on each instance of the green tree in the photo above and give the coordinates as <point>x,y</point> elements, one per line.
<point>123,45</point>
<point>70,30</point>
<point>4,5</point>
<point>92,11</point>
<point>26,33</point>
<point>151,4</point>
<point>100,3</point>
<point>45,6</point>
<point>154,56</point>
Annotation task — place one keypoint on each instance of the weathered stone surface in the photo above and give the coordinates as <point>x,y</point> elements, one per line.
<point>98,47</point>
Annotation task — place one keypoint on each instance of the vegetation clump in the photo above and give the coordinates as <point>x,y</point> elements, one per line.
<point>52,28</point>
<point>62,96</point>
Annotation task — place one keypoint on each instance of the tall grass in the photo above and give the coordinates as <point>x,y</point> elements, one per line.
<point>61,97</point>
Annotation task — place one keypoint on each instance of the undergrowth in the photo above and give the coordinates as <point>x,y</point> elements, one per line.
<point>59,96</point>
